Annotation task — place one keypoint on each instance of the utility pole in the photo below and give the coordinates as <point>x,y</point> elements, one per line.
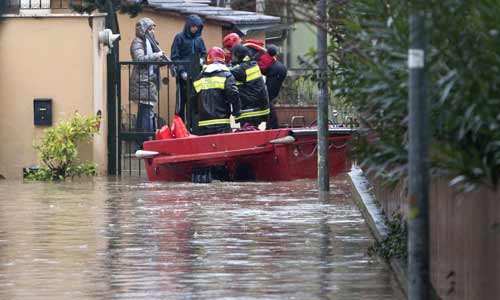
<point>323,167</point>
<point>289,22</point>
<point>418,216</point>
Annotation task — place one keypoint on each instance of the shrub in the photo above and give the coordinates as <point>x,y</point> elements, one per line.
<point>463,85</point>
<point>395,244</point>
<point>58,149</point>
<point>131,8</point>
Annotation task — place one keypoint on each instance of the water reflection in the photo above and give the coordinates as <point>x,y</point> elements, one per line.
<point>128,239</point>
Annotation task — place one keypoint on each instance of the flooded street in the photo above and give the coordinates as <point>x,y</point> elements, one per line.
<point>131,239</point>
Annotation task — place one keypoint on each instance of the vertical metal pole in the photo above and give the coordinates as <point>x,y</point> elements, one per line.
<point>167,119</point>
<point>323,167</point>
<point>289,22</point>
<point>113,91</point>
<point>418,217</point>
<point>119,112</point>
<point>111,108</point>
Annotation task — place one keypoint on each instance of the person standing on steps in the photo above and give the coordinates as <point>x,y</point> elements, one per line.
<point>144,80</point>
<point>188,45</point>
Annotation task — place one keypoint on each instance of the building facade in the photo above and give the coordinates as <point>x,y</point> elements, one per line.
<point>49,52</point>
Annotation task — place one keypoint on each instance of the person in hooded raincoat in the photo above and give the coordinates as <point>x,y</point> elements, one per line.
<point>188,45</point>
<point>144,80</point>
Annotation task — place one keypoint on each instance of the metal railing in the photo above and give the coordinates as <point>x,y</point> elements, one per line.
<point>300,89</point>
<point>130,135</point>
<point>13,6</point>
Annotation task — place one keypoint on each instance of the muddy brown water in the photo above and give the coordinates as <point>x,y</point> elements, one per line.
<point>113,238</point>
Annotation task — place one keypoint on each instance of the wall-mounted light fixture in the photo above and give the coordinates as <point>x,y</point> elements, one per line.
<point>107,37</point>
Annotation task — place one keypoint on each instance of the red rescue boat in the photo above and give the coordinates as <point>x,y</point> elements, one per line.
<point>271,155</point>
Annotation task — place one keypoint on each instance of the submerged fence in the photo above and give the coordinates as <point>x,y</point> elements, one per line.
<point>464,237</point>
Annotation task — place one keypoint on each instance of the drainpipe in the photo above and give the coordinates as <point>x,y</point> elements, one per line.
<point>289,21</point>
<point>113,91</point>
<point>418,216</point>
<point>323,165</point>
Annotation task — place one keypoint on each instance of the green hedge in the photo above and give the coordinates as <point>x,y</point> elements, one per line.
<point>58,149</point>
<point>463,63</point>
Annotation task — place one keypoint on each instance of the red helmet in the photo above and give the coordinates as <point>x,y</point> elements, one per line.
<point>215,54</point>
<point>230,40</point>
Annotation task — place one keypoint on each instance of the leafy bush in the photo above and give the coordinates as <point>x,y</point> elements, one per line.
<point>463,65</point>
<point>88,6</point>
<point>131,8</point>
<point>395,244</point>
<point>58,149</point>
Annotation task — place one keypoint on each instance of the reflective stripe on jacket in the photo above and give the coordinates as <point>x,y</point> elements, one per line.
<point>254,114</point>
<point>253,93</point>
<point>217,92</point>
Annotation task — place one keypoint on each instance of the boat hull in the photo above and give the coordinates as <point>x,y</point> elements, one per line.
<point>254,155</point>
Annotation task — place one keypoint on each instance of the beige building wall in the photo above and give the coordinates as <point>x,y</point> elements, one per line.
<point>55,57</point>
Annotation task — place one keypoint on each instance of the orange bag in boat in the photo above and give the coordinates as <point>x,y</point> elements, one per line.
<point>178,128</point>
<point>164,133</point>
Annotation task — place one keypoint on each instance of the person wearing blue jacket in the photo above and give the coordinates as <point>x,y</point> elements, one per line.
<point>188,45</point>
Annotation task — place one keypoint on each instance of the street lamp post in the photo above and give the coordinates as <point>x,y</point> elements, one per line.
<point>323,166</point>
<point>418,215</point>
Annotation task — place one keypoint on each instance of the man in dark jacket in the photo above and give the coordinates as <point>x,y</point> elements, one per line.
<point>188,45</point>
<point>217,95</point>
<point>250,82</point>
<point>275,76</point>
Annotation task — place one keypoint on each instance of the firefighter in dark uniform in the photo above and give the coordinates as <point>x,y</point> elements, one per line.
<point>274,70</point>
<point>252,88</point>
<point>217,95</point>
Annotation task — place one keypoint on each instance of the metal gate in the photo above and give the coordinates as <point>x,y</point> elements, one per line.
<point>134,84</point>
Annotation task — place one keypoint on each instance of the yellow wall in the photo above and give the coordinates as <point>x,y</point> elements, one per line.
<point>48,57</point>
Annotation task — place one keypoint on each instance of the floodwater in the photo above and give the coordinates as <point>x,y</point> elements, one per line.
<point>129,239</point>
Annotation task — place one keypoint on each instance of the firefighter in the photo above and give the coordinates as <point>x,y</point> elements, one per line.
<point>228,43</point>
<point>274,70</point>
<point>217,95</point>
<point>265,58</point>
<point>253,93</point>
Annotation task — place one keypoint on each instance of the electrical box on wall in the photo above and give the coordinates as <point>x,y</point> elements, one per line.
<point>42,109</point>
